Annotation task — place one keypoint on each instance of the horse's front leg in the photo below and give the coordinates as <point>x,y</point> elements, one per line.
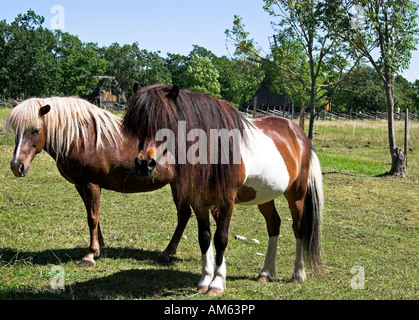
<point>218,283</point>
<point>183,214</point>
<point>204,238</point>
<point>90,194</point>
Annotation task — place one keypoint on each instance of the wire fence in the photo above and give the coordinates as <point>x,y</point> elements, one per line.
<point>330,115</point>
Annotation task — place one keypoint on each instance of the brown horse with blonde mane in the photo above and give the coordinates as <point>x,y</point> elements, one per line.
<point>91,152</point>
<point>220,159</point>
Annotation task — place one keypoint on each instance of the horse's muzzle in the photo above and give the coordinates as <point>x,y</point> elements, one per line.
<point>145,167</point>
<point>18,169</point>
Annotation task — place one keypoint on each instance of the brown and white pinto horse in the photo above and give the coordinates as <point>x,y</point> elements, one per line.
<point>266,157</point>
<point>91,152</point>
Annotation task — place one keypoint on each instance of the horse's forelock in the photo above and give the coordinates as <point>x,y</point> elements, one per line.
<point>149,111</point>
<point>24,116</point>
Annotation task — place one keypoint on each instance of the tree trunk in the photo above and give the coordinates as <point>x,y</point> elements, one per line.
<point>312,116</point>
<point>398,159</point>
<point>398,163</point>
<point>302,114</point>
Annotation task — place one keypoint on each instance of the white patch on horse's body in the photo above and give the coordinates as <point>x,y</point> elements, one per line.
<point>266,172</point>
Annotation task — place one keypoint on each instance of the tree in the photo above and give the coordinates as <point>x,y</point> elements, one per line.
<point>415,88</point>
<point>202,76</point>
<point>124,64</point>
<point>29,66</point>
<point>388,26</point>
<point>238,79</point>
<point>300,22</point>
<point>80,64</point>
<point>404,94</point>
<point>289,70</point>
<point>4,75</point>
<point>362,92</point>
<point>153,69</point>
<point>177,64</point>
<point>245,82</point>
<point>129,64</point>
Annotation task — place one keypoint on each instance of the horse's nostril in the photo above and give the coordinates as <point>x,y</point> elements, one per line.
<point>151,165</point>
<point>145,167</point>
<point>141,166</point>
<point>138,162</point>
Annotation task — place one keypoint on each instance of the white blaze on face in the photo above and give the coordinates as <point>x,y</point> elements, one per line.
<point>266,171</point>
<point>19,140</point>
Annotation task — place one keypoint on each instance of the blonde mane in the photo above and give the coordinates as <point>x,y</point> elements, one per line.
<point>66,123</point>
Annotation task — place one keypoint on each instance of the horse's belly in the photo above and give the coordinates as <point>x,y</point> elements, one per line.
<point>257,190</point>
<point>267,175</point>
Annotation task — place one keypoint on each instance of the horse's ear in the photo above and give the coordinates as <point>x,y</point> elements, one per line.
<point>136,87</point>
<point>15,103</point>
<point>44,110</point>
<point>173,93</point>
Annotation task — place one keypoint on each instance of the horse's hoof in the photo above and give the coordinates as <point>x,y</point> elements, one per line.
<point>203,289</point>
<point>87,262</point>
<point>296,278</point>
<point>163,257</point>
<point>214,292</point>
<point>263,279</point>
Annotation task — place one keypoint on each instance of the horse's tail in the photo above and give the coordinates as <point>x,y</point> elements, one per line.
<point>312,215</point>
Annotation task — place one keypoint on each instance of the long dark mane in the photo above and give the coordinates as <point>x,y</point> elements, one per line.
<point>160,107</point>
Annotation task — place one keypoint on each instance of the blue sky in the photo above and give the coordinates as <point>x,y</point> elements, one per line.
<point>157,25</point>
<point>168,26</point>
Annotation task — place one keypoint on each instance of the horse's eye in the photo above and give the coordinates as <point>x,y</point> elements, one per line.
<point>35,132</point>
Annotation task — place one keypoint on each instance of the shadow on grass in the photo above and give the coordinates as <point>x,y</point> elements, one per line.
<point>126,284</point>
<point>157,282</point>
<point>61,256</point>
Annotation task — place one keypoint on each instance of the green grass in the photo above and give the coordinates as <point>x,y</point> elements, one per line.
<point>368,221</point>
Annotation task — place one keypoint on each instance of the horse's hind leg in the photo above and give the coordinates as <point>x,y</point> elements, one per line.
<point>273,223</point>
<point>296,205</point>
<point>90,194</point>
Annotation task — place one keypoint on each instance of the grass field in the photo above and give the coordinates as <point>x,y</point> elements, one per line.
<point>370,229</point>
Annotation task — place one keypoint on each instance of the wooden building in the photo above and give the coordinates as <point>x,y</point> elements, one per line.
<point>265,101</point>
